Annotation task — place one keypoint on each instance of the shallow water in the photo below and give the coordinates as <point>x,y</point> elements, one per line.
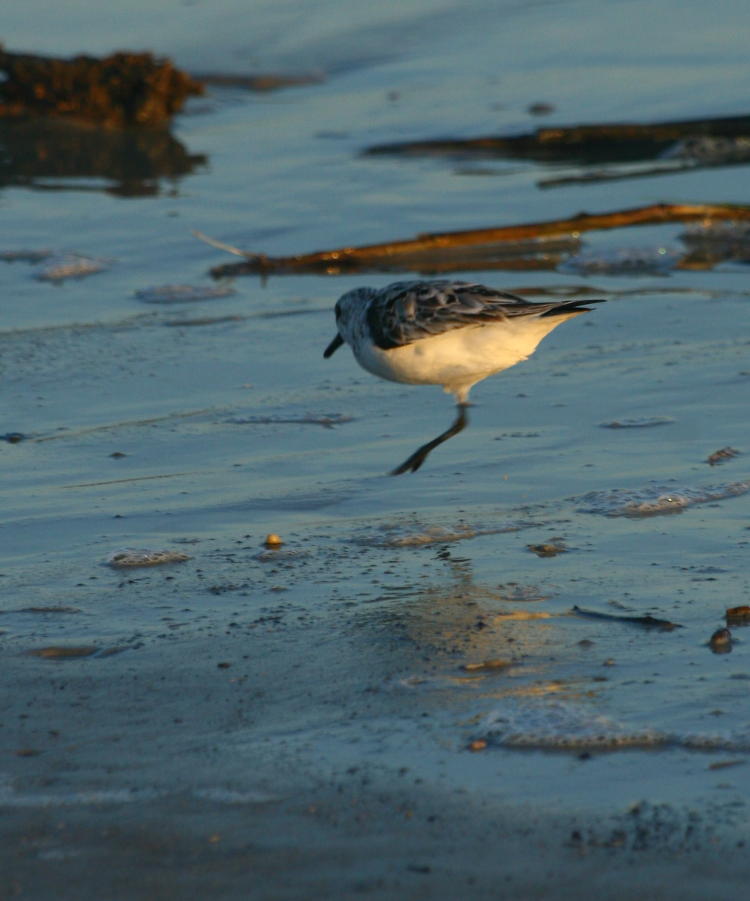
<point>346,645</point>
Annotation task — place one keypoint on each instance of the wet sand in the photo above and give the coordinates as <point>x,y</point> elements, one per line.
<point>240,763</point>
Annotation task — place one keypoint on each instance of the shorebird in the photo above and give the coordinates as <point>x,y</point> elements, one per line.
<point>445,333</point>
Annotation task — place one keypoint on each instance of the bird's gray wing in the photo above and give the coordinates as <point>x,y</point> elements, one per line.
<point>406,312</point>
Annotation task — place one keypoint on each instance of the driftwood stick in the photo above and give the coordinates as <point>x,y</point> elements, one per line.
<point>426,251</point>
<point>607,141</point>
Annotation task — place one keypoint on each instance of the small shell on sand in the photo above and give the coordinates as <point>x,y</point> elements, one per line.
<point>738,616</point>
<point>721,641</point>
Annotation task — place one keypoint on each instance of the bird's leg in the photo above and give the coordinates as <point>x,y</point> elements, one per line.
<point>420,455</point>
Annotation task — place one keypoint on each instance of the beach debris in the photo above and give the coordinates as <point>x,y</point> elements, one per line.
<point>738,616</point>
<point>53,609</point>
<point>542,252</point>
<point>725,764</point>
<point>519,616</point>
<point>618,150</point>
<point>123,89</point>
<point>550,549</point>
<point>327,421</point>
<point>709,150</point>
<point>562,726</point>
<point>727,240</point>
<point>183,293</point>
<point>276,553</point>
<point>63,652</point>
<point>722,455</point>
<point>666,502</point>
<point>24,255</point>
<point>486,666</point>
<point>68,652</point>
<point>134,557</point>
<point>639,422</point>
<point>656,499</point>
<point>262,81</point>
<point>699,151</point>
<point>622,172</point>
<point>419,535</point>
<point>273,540</point>
<point>710,232</point>
<point>648,622</point>
<point>219,245</point>
<point>540,108</point>
<point>508,247</point>
<point>721,641</point>
<point>609,142</point>
<point>71,265</point>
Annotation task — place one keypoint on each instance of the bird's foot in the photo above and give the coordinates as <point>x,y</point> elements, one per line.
<point>412,463</point>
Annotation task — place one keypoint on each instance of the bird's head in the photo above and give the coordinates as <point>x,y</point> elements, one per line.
<point>350,313</point>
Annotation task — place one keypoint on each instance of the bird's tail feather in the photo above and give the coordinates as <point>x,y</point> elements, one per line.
<point>571,306</point>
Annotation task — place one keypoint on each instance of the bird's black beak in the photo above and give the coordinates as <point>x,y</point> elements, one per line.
<point>333,346</point>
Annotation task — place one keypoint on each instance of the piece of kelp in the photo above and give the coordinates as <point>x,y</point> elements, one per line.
<point>596,143</point>
<point>117,90</point>
<point>648,622</point>
<point>523,246</point>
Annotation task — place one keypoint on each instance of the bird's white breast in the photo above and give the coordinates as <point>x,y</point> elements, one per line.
<point>459,358</point>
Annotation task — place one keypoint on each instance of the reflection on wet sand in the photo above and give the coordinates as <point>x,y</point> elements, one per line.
<point>456,623</point>
<point>131,162</point>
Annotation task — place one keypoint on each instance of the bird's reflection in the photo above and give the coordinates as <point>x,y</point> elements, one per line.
<point>456,621</point>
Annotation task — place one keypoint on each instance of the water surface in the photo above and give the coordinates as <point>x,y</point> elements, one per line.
<point>346,647</point>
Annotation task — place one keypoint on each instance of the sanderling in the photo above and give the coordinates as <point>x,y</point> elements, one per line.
<point>445,333</point>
